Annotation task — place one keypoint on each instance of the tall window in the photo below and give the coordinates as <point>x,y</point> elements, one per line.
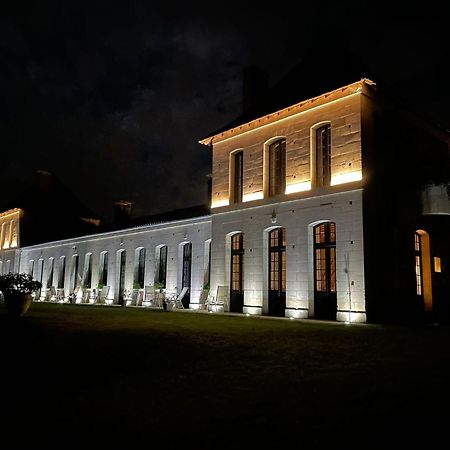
<point>423,261</point>
<point>417,250</point>
<point>187,265</point>
<point>277,269</point>
<point>87,276</point>
<point>31,267</point>
<point>187,260</point>
<point>162,266</point>
<point>62,272</point>
<point>237,253</point>
<point>13,233</point>
<point>75,280</point>
<point>122,262</point>
<point>5,235</point>
<point>207,276</point>
<point>51,263</point>
<point>277,272</point>
<point>103,269</point>
<point>325,257</point>
<point>237,273</point>
<point>139,273</point>
<point>323,155</point>
<point>238,177</point>
<point>325,297</point>
<point>2,234</point>
<point>40,275</point>
<point>277,167</point>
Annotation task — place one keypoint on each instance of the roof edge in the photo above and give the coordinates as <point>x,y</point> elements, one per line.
<point>285,112</point>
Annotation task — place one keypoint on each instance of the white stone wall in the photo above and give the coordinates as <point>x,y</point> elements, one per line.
<point>149,237</point>
<point>298,217</point>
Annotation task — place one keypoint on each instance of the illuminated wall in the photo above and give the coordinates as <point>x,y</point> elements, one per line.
<point>150,237</point>
<point>9,229</point>
<point>9,240</point>
<point>340,108</point>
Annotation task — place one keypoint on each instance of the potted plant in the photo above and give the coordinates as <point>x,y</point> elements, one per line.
<point>159,286</point>
<point>17,289</point>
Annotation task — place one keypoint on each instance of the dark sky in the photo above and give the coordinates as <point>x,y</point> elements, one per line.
<point>113,97</point>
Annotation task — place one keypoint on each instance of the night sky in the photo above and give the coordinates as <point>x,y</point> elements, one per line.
<point>113,97</point>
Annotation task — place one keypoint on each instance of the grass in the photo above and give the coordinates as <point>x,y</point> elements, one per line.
<point>108,375</point>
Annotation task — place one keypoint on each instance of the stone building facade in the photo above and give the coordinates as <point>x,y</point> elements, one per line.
<point>306,221</point>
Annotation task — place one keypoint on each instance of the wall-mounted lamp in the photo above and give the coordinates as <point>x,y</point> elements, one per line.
<point>274,217</point>
<point>74,247</point>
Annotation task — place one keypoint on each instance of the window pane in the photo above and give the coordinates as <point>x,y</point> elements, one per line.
<point>418,276</point>
<point>332,269</point>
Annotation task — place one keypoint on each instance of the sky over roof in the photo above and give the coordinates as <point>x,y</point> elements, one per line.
<point>113,99</point>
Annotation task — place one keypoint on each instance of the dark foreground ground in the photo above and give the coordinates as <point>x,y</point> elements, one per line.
<point>84,375</point>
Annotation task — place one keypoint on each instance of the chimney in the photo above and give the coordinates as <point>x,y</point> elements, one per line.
<point>255,84</point>
<point>122,212</point>
<point>43,180</point>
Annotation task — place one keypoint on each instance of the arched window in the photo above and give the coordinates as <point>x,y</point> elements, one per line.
<point>325,300</point>
<point>75,278</point>
<point>236,176</point>
<point>13,234</point>
<point>423,269</point>
<point>31,267</point>
<point>103,269</point>
<point>162,266</point>
<point>207,264</point>
<point>120,280</point>
<point>277,167</point>
<point>186,271</point>
<point>51,263</point>
<point>5,235</point>
<point>62,272</point>
<point>87,274</point>
<point>323,155</point>
<point>277,272</point>
<point>139,268</point>
<point>40,275</point>
<point>237,273</point>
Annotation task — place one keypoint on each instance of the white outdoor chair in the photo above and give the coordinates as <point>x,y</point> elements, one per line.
<point>221,301</point>
<point>204,299</point>
<point>177,302</point>
<point>149,295</point>
<point>85,295</point>
<point>53,296</point>
<point>60,298</point>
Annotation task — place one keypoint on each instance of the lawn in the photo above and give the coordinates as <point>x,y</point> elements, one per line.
<point>109,375</point>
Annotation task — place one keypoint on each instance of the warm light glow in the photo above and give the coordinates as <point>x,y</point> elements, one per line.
<point>355,317</point>
<point>10,212</point>
<point>290,112</point>
<point>346,177</point>
<point>219,203</point>
<point>253,196</point>
<point>298,187</point>
<point>437,264</point>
